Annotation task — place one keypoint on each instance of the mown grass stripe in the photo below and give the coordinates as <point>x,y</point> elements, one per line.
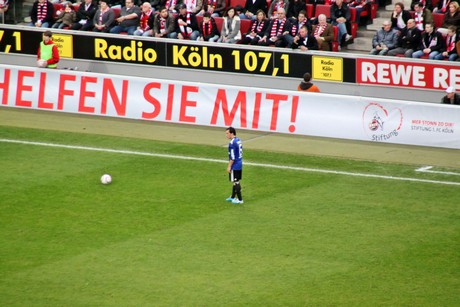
<point>303,169</point>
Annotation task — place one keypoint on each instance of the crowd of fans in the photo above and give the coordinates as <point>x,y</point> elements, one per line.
<point>413,33</point>
<point>280,23</point>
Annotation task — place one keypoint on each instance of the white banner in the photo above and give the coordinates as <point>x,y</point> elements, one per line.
<point>315,114</point>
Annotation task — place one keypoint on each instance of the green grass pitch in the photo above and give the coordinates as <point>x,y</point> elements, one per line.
<point>162,234</point>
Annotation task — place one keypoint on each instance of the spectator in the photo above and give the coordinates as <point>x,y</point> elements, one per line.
<point>85,16</point>
<point>324,33</point>
<point>294,8</point>
<point>449,51</point>
<point>104,17</point>
<point>451,97</point>
<point>360,6</point>
<point>441,7</point>
<point>66,18</point>
<point>185,24</point>
<point>340,17</point>
<point>128,20</point>
<point>252,7</point>
<point>256,30</point>
<point>208,29</point>
<point>426,4</point>
<point>408,40</point>
<point>431,43</point>
<point>215,7</point>
<point>384,39</point>
<point>230,33</point>
<point>304,41</point>
<point>276,31</point>
<point>163,24</point>
<point>296,25</point>
<point>399,17</point>
<point>193,6</point>
<point>276,6</point>
<point>4,4</point>
<point>451,18</point>
<point>306,85</point>
<point>146,20</point>
<point>48,53</point>
<point>422,16</point>
<point>41,14</point>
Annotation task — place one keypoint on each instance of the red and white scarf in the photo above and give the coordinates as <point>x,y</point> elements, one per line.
<point>319,30</point>
<point>144,22</point>
<point>279,5</point>
<point>433,40</point>
<point>42,11</point>
<point>207,28</point>
<point>183,29</point>
<point>277,27</point>
<point>295,28</point>
<point>450,43</point>
<point>257,26</point>
<point>191,4</point>
<point>419,21</point>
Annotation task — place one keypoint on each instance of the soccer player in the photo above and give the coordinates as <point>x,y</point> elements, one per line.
<point>235,165</point>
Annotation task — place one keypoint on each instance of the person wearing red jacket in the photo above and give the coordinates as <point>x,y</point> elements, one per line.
<point>48,53</point>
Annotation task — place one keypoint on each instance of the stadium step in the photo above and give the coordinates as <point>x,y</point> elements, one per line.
<point>363,43</point>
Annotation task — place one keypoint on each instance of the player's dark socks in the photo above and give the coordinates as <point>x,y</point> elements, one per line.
<point>237,188</point>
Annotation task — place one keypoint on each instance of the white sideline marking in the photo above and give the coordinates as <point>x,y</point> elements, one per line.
<point>303,169</point>
<point>427,169</point>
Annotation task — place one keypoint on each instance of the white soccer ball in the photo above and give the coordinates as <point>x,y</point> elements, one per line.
<point>106,179</point>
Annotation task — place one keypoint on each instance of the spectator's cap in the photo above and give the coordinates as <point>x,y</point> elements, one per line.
<point>450,89</point>
<point>182,6</point>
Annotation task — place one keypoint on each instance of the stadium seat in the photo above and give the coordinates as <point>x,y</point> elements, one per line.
<point>234,3</point>
<point>309,10</point>
<point>245,25</point>
<point>117,11</point>
<point>335,42</point>
<point>323,9</point>
<point>58,8</point>
<point>219,23</point>
<point>438,20</point>
<point>374,9</point>
<point>353,24</point>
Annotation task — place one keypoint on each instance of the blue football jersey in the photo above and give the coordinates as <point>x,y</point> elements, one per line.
<point>235,153</point>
